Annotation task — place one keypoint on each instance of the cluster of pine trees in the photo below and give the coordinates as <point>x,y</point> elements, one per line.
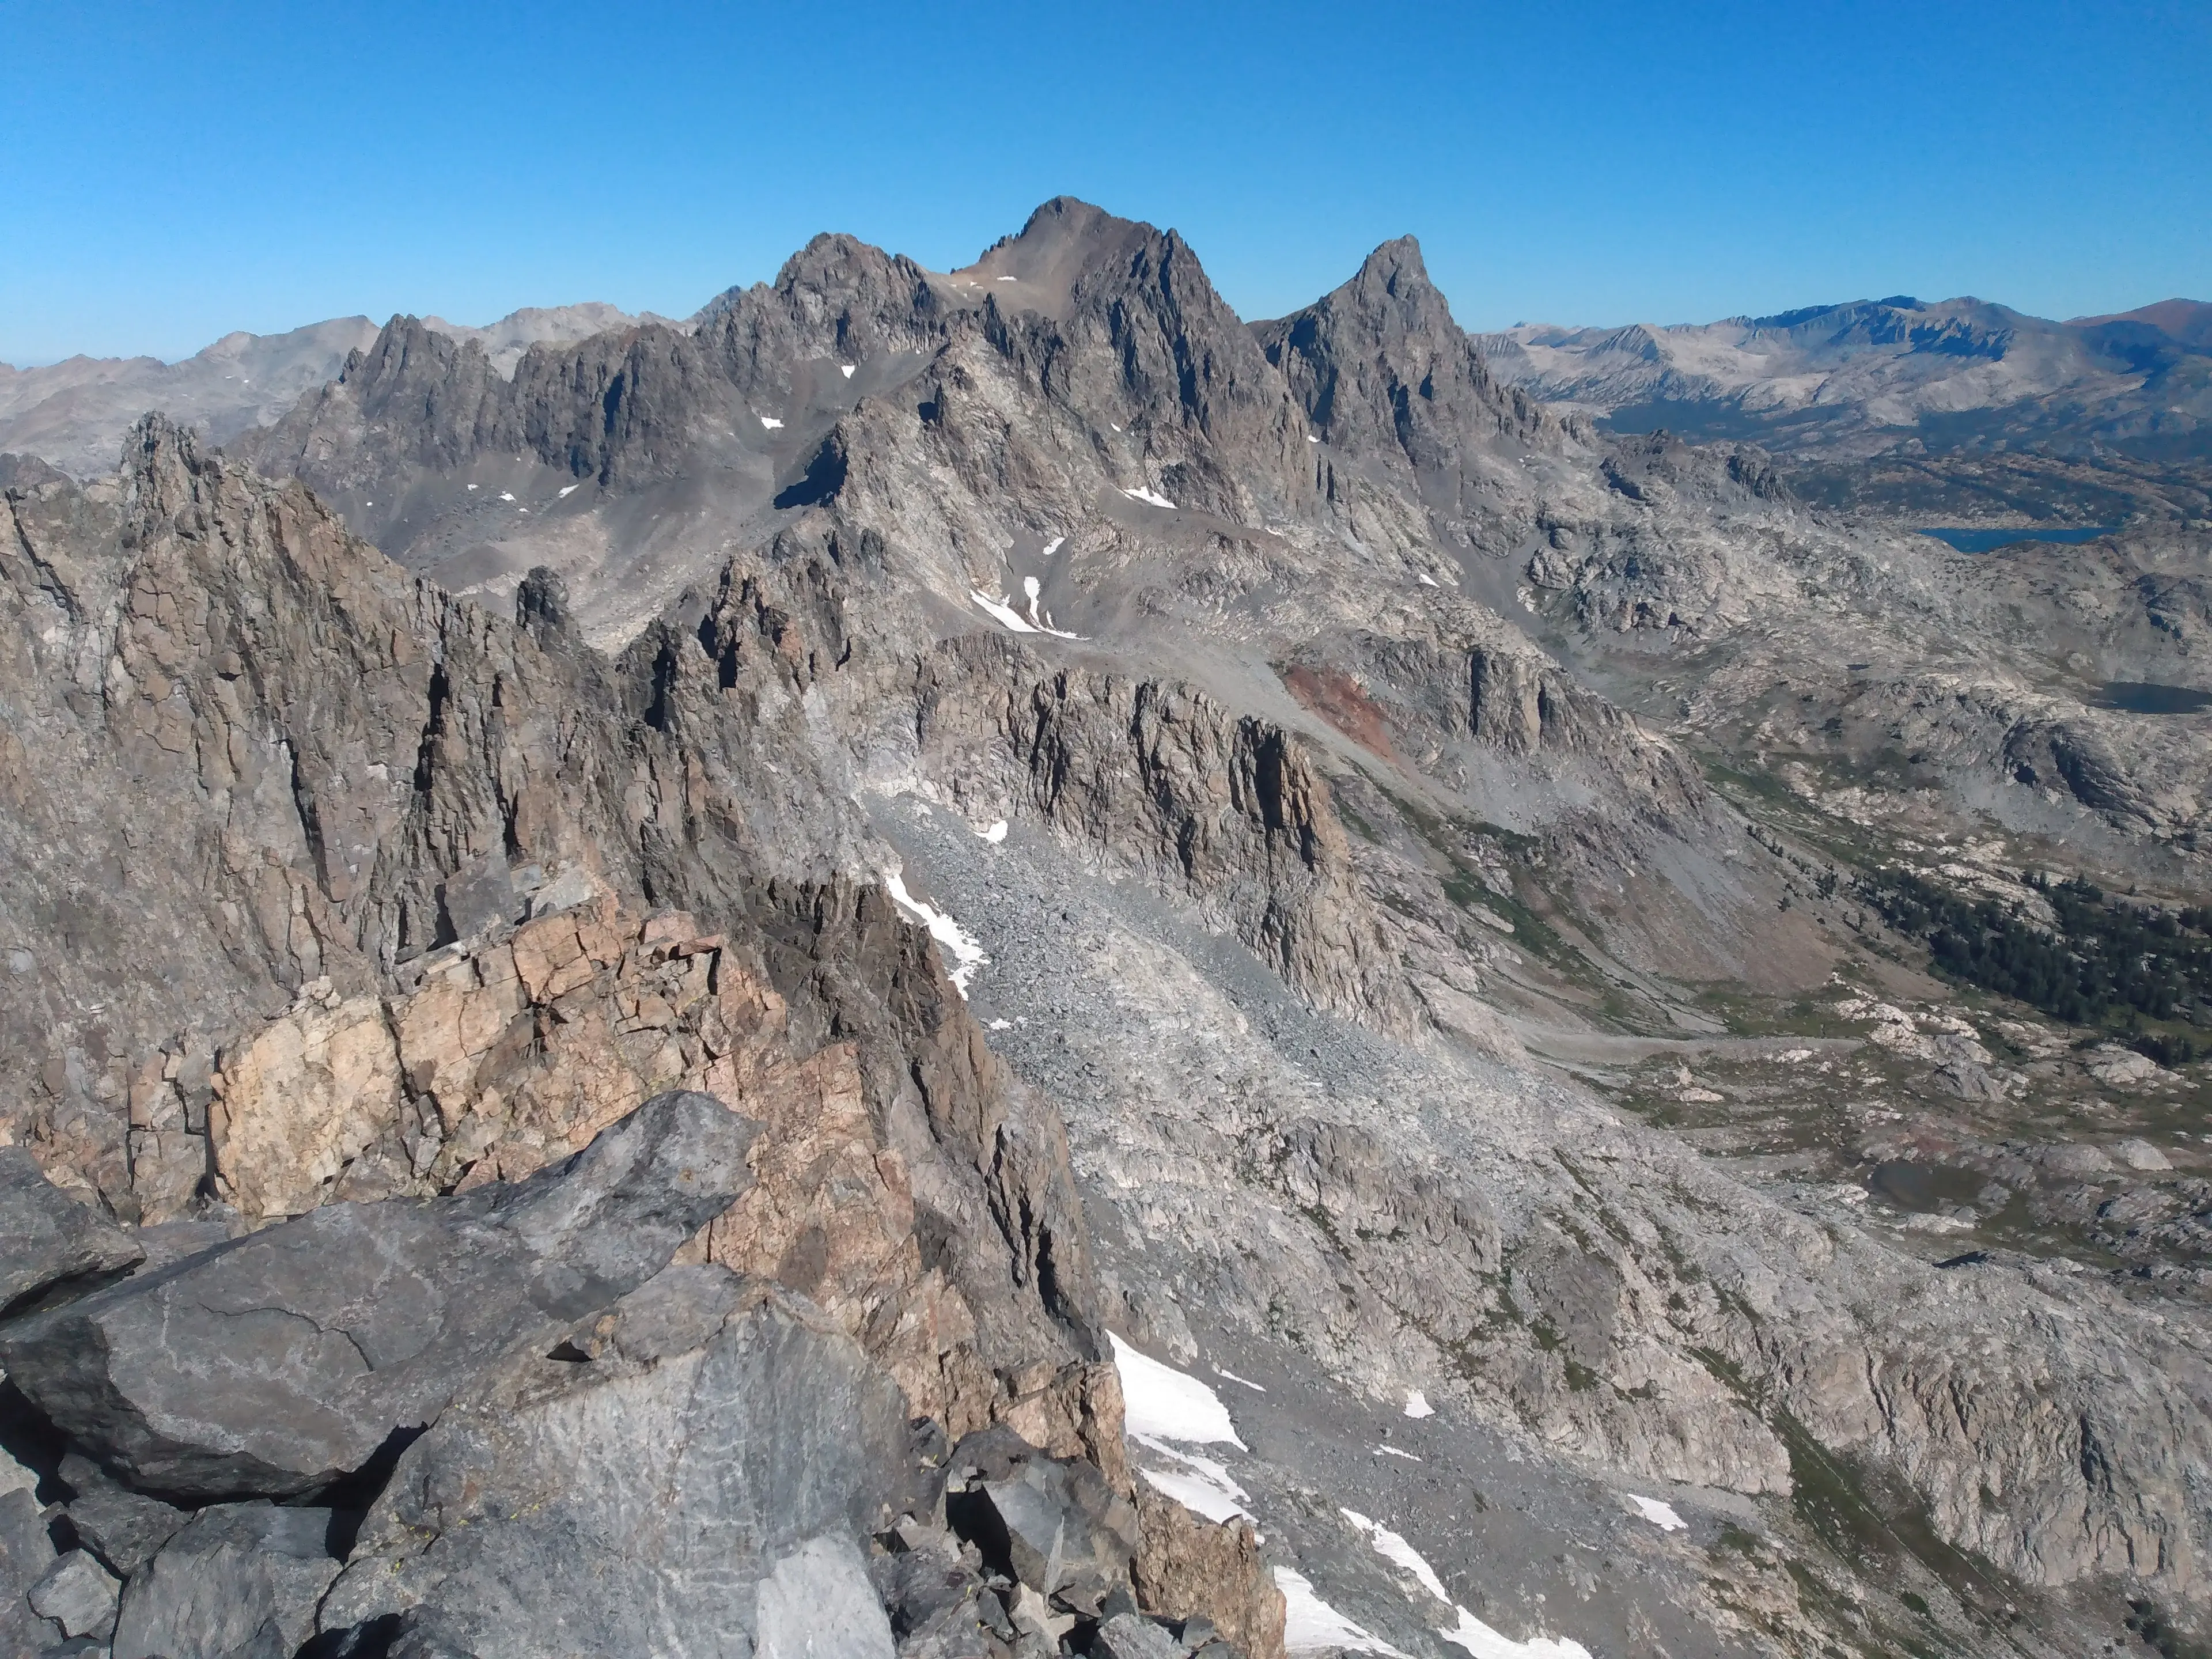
<point>2107,964</point>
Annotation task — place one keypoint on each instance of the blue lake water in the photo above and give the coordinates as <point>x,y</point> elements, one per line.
<point>2144,697</point>
<point>1987,541</point>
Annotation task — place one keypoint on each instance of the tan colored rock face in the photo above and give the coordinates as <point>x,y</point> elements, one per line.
<point>515,1054</point>
<point>1185,1565</point>
<point>316,1089</point>
<point>832,1217</point>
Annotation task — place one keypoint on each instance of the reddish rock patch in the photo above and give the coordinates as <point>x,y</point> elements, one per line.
<point>1338,699</point>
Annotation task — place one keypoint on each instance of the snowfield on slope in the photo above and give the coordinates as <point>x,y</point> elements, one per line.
<point>954,940</point>
<point>1164,1405</point>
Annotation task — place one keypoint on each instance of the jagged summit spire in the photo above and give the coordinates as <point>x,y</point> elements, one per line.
<point>1066,214</point>
<point>1394,276</point>
<point>1383,371</point>
<point>1400,256</point>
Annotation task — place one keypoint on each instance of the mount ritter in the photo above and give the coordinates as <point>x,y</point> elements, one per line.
<point>981,966</point>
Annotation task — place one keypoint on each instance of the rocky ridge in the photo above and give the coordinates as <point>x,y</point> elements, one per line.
<point>1254,771</point>
<point>74,414</point>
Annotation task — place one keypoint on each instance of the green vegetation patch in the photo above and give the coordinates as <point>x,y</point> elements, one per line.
<point>2107,962</point>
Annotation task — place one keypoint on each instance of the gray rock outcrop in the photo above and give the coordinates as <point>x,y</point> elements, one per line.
<point>277,1363</point>
<point>716,1467</point>
<point>125,1528</point>
<point>50,1238</point>
<point>1055,1525</point>
<point>1133,1636</point>
<point>78,1594</point>
<point>241,1580</point>
<point>27,1555</point>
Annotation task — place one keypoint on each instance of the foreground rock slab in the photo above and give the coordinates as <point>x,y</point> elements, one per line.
<point>714,1469</point>
<point>124,1528</point>
<point>276,1364</point>
<point>47,1237</point>
<point>242,1578</point>
<point>78,1594</point>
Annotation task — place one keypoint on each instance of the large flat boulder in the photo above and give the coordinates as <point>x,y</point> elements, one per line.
<point>706,1480</point>
<point>47,1237</point>
<point>274,1363</point>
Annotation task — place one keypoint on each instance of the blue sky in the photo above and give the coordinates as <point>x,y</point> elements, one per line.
<point>175,171</point>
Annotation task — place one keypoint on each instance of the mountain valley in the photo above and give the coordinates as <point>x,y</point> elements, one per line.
<point>1436,1017</point>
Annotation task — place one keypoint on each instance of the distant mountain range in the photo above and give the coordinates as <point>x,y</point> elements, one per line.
<point>1872,376</point>
<point>73,414</point>
<point>1824,384</point>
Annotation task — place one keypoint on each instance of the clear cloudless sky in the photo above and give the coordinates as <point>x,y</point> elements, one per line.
<point>173,170</point>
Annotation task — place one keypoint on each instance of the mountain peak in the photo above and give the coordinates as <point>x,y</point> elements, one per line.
<point>1394,279</point>
<point>1065,234</point>
<point>1397,258</point>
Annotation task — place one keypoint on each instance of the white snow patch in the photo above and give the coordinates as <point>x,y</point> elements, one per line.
<point>995,833</point>
<point>1051,547</point>
<point>1660,1514</point>
<point>1150,497</point>
<point>1005,612</point>
<point>472,486</point>
<point>1427,581</point>
<point>1201,1486</point>
<point>1231,1377</point>
<point>846,369</point>
<point>1311,1626</point>
<point>999,1026</point>
<point>1417,1405</point>
<point>1161,1403</point>
<point>1392,1451</point>
<point>1007,279</point>
<point>567,490</point>
<point>504,496</point>
<point>770,421</point>
<point>1471,1633</point>
<point>1392,1547</point>
<point>1013,620</point>
<point>1312,439</point>
<point>1484,1643</point>
<point>952,940</point>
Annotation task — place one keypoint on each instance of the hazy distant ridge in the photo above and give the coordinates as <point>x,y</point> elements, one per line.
<point>74,413</point>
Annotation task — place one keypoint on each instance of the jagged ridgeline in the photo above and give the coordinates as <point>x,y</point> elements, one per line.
<point>957,966</point>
